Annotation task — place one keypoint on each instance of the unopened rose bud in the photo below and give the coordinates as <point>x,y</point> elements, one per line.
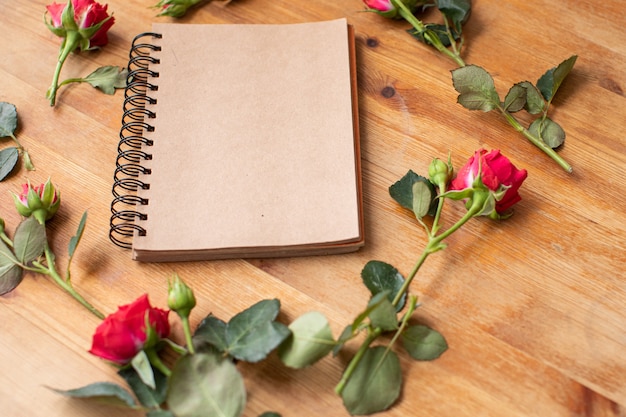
<point>440,173</point>
<point>42,201</point>
<point>175,8</point>
<point>180,297</point>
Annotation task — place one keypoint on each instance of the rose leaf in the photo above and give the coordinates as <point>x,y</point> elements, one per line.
<point>311,339</point>
<point>383,314</point>
<point>550,82</point>
<point>458,11</point>
<point>423,197</point>
<point>253,333</point>
<point>108,78</point>
<point>375,384</point>
<point>148,397</point>
<point>212,332</point>
<point>104,392</point>
<point>535,103</point>
<point>75,240</point>
<point>402,191</point>
<point>8,161</point>
<point>10,274</point>
<point>8,119</point>
<point>29,240</point>
<point>476,88</point>
<point>205,385</point>
<point>380,276</point>
<point>423,343</point>
<point>551,132</point>
<point>515,99</point>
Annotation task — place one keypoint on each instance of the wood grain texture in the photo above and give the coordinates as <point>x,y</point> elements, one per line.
<point>533,307</point>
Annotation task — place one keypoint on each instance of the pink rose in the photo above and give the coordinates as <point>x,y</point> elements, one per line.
<point>87,14</point>
<point>387,8</point>
<point>496,170</point>
<point>123,334</point>
<point>379,5</point>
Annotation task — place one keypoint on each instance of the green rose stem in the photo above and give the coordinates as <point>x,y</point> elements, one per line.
<point>70,43</point>
<point>156,361</point>
<point>538,142</point>
<point>434,245</point>
<point>63,283</point>
<point>24,152</point>
<point>187,331</point>
<point>432,38</point>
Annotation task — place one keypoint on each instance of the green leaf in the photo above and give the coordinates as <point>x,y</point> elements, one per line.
<point>11,275</point>
<point>422,199</point>
<point>423,343</point>
<point>375,384</point>
<point>380,276</point>
<point>383,314</point>
<point>551,132</point>
<point>104,392</point>
<point>8,161</point>
<point>269,414</point>
<point>75,240</point>
<point>515,99</point>
<point>211,331</point>
<point>402,191</point>
<point>249,336</point>
<point>458,11</point>
<point>253,333</point>
<point>476,88</point>
<point>204,385</point>
<point>550,82</point>
<point>311,339</point>
<point>108,78</point>
<point>8,119</point>
<point>535,103</point>
<point>29,241</point>
<point>148,397</point>
<point>141,365</point>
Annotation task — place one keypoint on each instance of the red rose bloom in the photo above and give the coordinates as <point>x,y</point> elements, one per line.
<point>123,334</point>
<point>496,170</point>
<point>87,13</point>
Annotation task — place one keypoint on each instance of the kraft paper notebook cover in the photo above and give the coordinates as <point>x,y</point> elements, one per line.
<point>239,141</point>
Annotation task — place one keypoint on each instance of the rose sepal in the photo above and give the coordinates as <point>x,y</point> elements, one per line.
<point>60,31</point>
<point>88,33</point>
<point>67,17</point>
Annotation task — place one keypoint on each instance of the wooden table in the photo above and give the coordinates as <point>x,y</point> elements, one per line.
<point>533,307</point>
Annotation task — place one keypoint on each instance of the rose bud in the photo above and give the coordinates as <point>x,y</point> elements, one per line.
<point>180,297</point>
<point>497,174</point>
<point>175,8</point>
<point>42,201</point>
<point>440,173</point>
<point>123,334</point>
<point>82,24</point>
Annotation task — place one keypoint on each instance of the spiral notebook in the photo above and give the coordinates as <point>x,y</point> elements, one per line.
<point>239,141</point>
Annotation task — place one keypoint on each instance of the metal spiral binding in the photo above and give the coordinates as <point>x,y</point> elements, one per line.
<point>133,144</point>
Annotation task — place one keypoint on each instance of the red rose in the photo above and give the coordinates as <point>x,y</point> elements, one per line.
<point>123,334</point>
<point>496,171</point>
<point>87,14</point>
